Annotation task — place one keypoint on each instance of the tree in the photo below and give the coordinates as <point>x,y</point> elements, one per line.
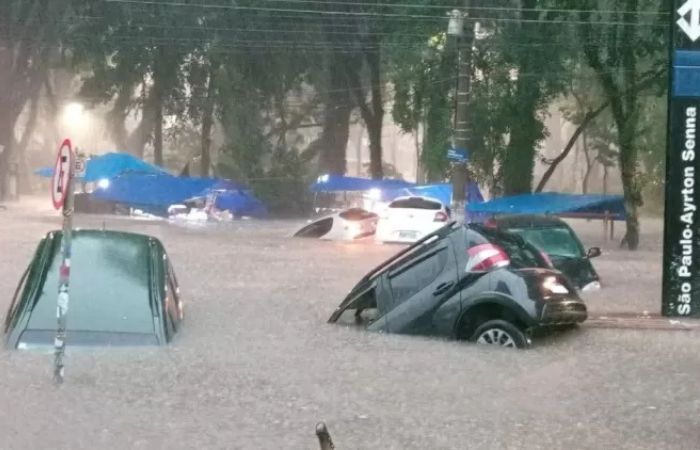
<point>619,66</point>
<point>25,59</point>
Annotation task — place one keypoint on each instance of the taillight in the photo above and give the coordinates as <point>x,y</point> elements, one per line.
<point>547,260</point>
<point>486,257</point>
<point>440,217</point>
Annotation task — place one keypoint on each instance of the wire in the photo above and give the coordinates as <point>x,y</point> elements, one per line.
<point>214,30</point>
<point>446,8</point>
<point>368,14</point>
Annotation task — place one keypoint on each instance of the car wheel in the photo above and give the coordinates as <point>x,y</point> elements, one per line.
<point>500,333</point>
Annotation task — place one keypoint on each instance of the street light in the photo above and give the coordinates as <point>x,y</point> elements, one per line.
<point>73,113</point>
<point>455,27</point>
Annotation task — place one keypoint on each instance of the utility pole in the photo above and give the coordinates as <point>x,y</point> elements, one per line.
<point>464,37</point>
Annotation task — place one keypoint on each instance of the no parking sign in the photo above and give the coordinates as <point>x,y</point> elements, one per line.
<point>62,174</point>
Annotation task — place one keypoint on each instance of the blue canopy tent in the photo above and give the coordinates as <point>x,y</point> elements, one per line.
<point>571,205</point>
<point>108,166</point>
<point>441,192</point>
<point>154,193</point>
<point>341,183</point>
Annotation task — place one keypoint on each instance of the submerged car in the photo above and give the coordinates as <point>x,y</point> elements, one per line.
<point>347,225</point>
<point>123,292</point>
<point>466,282</point>
<point>556,238</point>
<point>408,219</point>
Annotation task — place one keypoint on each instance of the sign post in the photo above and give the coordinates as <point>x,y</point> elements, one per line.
<point>681,283</point>
<point>62,194</point>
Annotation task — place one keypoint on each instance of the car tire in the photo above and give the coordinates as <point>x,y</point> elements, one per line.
<point>501,333</point>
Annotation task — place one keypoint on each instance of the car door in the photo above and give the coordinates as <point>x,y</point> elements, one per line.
<point>420,286</point>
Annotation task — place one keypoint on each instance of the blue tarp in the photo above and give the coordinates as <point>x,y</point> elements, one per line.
<point>240,203</point>
<point>550,203</point>
<point>108,166</point>
<point>340,183</point>
<point>156,192</point>
<point>442,192</point>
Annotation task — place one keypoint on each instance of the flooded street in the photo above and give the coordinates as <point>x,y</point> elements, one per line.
<point>256,366</point>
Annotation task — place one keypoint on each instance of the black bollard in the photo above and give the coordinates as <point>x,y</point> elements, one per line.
<point>324,437</point>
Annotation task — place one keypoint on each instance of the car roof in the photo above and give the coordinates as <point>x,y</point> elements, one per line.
<point>111,279</point>
<point>529,221</point>
<point>418,197</point>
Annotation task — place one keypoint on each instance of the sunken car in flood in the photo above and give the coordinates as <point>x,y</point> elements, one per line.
<point>465,282</point>
<point>558,241</point>
<point>123,292</point>
<point>346,225</point>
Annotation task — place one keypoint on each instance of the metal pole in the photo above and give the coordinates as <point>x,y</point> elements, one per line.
<point>462,132</point>
<point>64,276</point>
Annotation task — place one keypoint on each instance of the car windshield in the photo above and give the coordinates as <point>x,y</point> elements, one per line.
<point>109,289</point>
<point>555,241</point>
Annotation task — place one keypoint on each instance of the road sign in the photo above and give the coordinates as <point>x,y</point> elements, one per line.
<point>681,268</point>
<point>61,174</point>
<point>63,197</point>
<point>458,155</point>
<point>689,21</point>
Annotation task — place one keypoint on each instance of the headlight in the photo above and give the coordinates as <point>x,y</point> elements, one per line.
<point>552,285</point>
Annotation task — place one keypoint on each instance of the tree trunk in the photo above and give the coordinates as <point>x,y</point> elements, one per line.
<point>374,132</point>
<point>589,164</point>
<point>569,145</point>
<point>605,180</point>
<point>519,161</point>
<point>158,76</point>
<point>336,120</point>
<point>208,122</point>
<point>630,183</point>
<point>377,120</point>
<point>158,136</point>
<point>20,150</point>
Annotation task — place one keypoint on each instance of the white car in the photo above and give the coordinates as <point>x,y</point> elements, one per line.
<point>407,219</point>
<point>348,225</point>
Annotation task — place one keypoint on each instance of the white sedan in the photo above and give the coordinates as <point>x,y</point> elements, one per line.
<point>348,225</point>
<point>407,219</point>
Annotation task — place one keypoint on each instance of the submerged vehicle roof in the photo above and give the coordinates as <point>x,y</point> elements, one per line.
<point>113,287</point>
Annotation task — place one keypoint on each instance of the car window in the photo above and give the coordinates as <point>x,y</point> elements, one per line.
<point>410,280</point>
<point>415,203</point>
<point>556,241</point>
<point>316,229</point>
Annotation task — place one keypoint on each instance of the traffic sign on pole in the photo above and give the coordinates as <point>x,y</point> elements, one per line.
<point>61,174</point>
<point>63,196</point>
<point>681,274</point>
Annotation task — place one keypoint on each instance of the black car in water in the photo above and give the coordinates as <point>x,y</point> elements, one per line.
<point>123,293</point>
<point>560,243</point>
<point>466,282</point>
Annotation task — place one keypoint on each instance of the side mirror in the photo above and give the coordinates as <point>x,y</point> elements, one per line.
<point>593,252</point>
<point>486,258</point>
